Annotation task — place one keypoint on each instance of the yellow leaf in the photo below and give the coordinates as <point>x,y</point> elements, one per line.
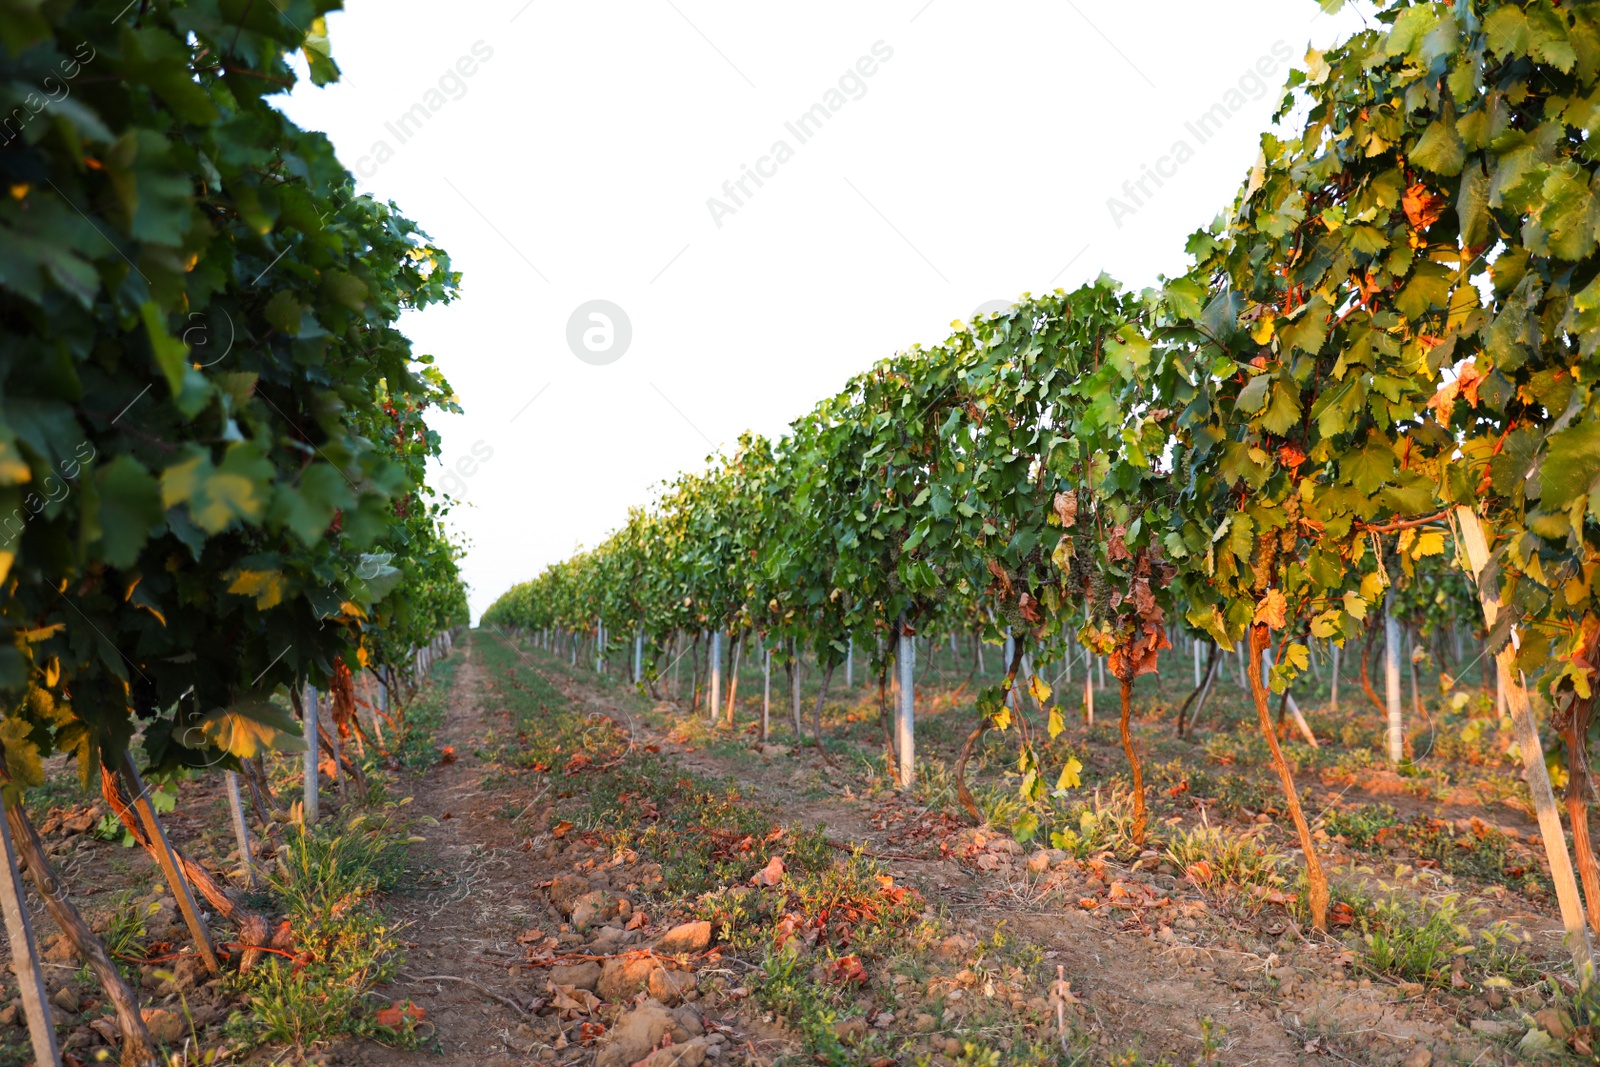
<point>6,559</point>
<point>1039,689</point>
<point>228,495</point>
<point>52,672</point>
<point>1062,556</point>
<point>1326,624</point>
<point>1430,543</point>
<point>1002,718</point>
<point>42,633</point>
<point>1071,775</point>
<point>21,754</point>
<point>1056,723</point>
<point>352,610</point>
<point>1355,606</point>
<point>248,727</point>
<point>13,469</point>
<point>1372,587</point>
<point>266,586</point>
<point>181,481</point>
<point>1273,610</point>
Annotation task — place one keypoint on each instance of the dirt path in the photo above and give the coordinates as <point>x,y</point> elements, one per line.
<point>474,894</point>
<point>1171,980</point>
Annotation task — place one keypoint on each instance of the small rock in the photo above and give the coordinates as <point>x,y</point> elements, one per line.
<point>689,1019</point>
<point>606,939</point>
<point>190,971</point>
<point>952,1047</point>
<point>1009,845</point>
<point>80,824</point>
<point>850,1030</point>
<point>584,913</point>
<point>1421,1056</point>
<point>924,1023</point>
<point>670,987</point>
<point>636,1034</point>
<point>1410,989</point>
<point>60,949</point>
<point>107,1029</point>
<point>689,937</point>
<point>690,1054</point>
<point>11,1014</point>
<point>66,999</point>
<point>1495,999</point>
<point>1039,862</point>
<point>602,905</point>
<point>565,889</point>
<point>164,1026</point>
<point>1492,1027</point>
<point>584,975</point>
<point>623,977</point>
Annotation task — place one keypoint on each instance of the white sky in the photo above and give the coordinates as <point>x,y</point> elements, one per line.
<point>575,163</point>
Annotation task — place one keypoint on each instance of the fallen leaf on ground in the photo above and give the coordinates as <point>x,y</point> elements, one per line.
<point>769,875</point>
<point>396,1014</point>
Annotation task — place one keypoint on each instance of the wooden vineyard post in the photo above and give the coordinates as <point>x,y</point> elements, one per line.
<point>313,757</point>
<point>1333,681</point>
<point>241,831</point>
<point>850,663</point>
<point>905,711</point>
<point>766,693</point>
<point>169,866</point>
<point>25,958</point>
<point>638,658</point>
<point>716,674</point>
<point>733,680</point>
<point>1538,776</point>
<point>1391,680</point>
<point>794,693</point>
<point>383,706</point>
